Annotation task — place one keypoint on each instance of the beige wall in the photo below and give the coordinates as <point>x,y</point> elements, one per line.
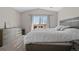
<point>26,21</point>
<point>10,16</point>
<point>68,12</point>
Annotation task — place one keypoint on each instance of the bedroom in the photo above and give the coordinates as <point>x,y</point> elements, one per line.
<point>20,31</point>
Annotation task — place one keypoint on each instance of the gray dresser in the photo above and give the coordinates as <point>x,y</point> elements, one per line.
<point>12,40</point>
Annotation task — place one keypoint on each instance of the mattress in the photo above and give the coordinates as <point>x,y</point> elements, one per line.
<point>51,35</point>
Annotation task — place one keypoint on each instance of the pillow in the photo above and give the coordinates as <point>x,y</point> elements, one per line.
<point>58,28</point>
<point>65,27</point>
<point>71,28</point>
<point>61,27</point>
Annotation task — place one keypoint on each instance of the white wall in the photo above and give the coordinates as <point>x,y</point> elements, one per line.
<point>26,21</point>
<point>10,16</point>
<point>11,41</point>
<point>68,12</point>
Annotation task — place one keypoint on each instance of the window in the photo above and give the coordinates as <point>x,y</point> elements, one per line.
<point>39,22</point>
<point>39,19</point>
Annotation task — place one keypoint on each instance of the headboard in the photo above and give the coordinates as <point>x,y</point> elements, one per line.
<point>73,22</point>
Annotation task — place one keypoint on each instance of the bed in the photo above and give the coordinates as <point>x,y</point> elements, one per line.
<point>54,39</point>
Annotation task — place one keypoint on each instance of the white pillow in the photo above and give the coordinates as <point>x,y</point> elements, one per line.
<point>61,27</point>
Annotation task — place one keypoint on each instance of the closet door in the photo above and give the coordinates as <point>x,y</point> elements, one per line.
<point>12,20</point>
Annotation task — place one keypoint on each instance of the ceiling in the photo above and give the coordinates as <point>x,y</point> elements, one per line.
<point>22,9</point>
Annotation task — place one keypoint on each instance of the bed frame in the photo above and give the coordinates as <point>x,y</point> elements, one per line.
<point>48,46</point>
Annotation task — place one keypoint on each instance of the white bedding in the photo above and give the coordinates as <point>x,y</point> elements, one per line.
<point>51,35</point>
